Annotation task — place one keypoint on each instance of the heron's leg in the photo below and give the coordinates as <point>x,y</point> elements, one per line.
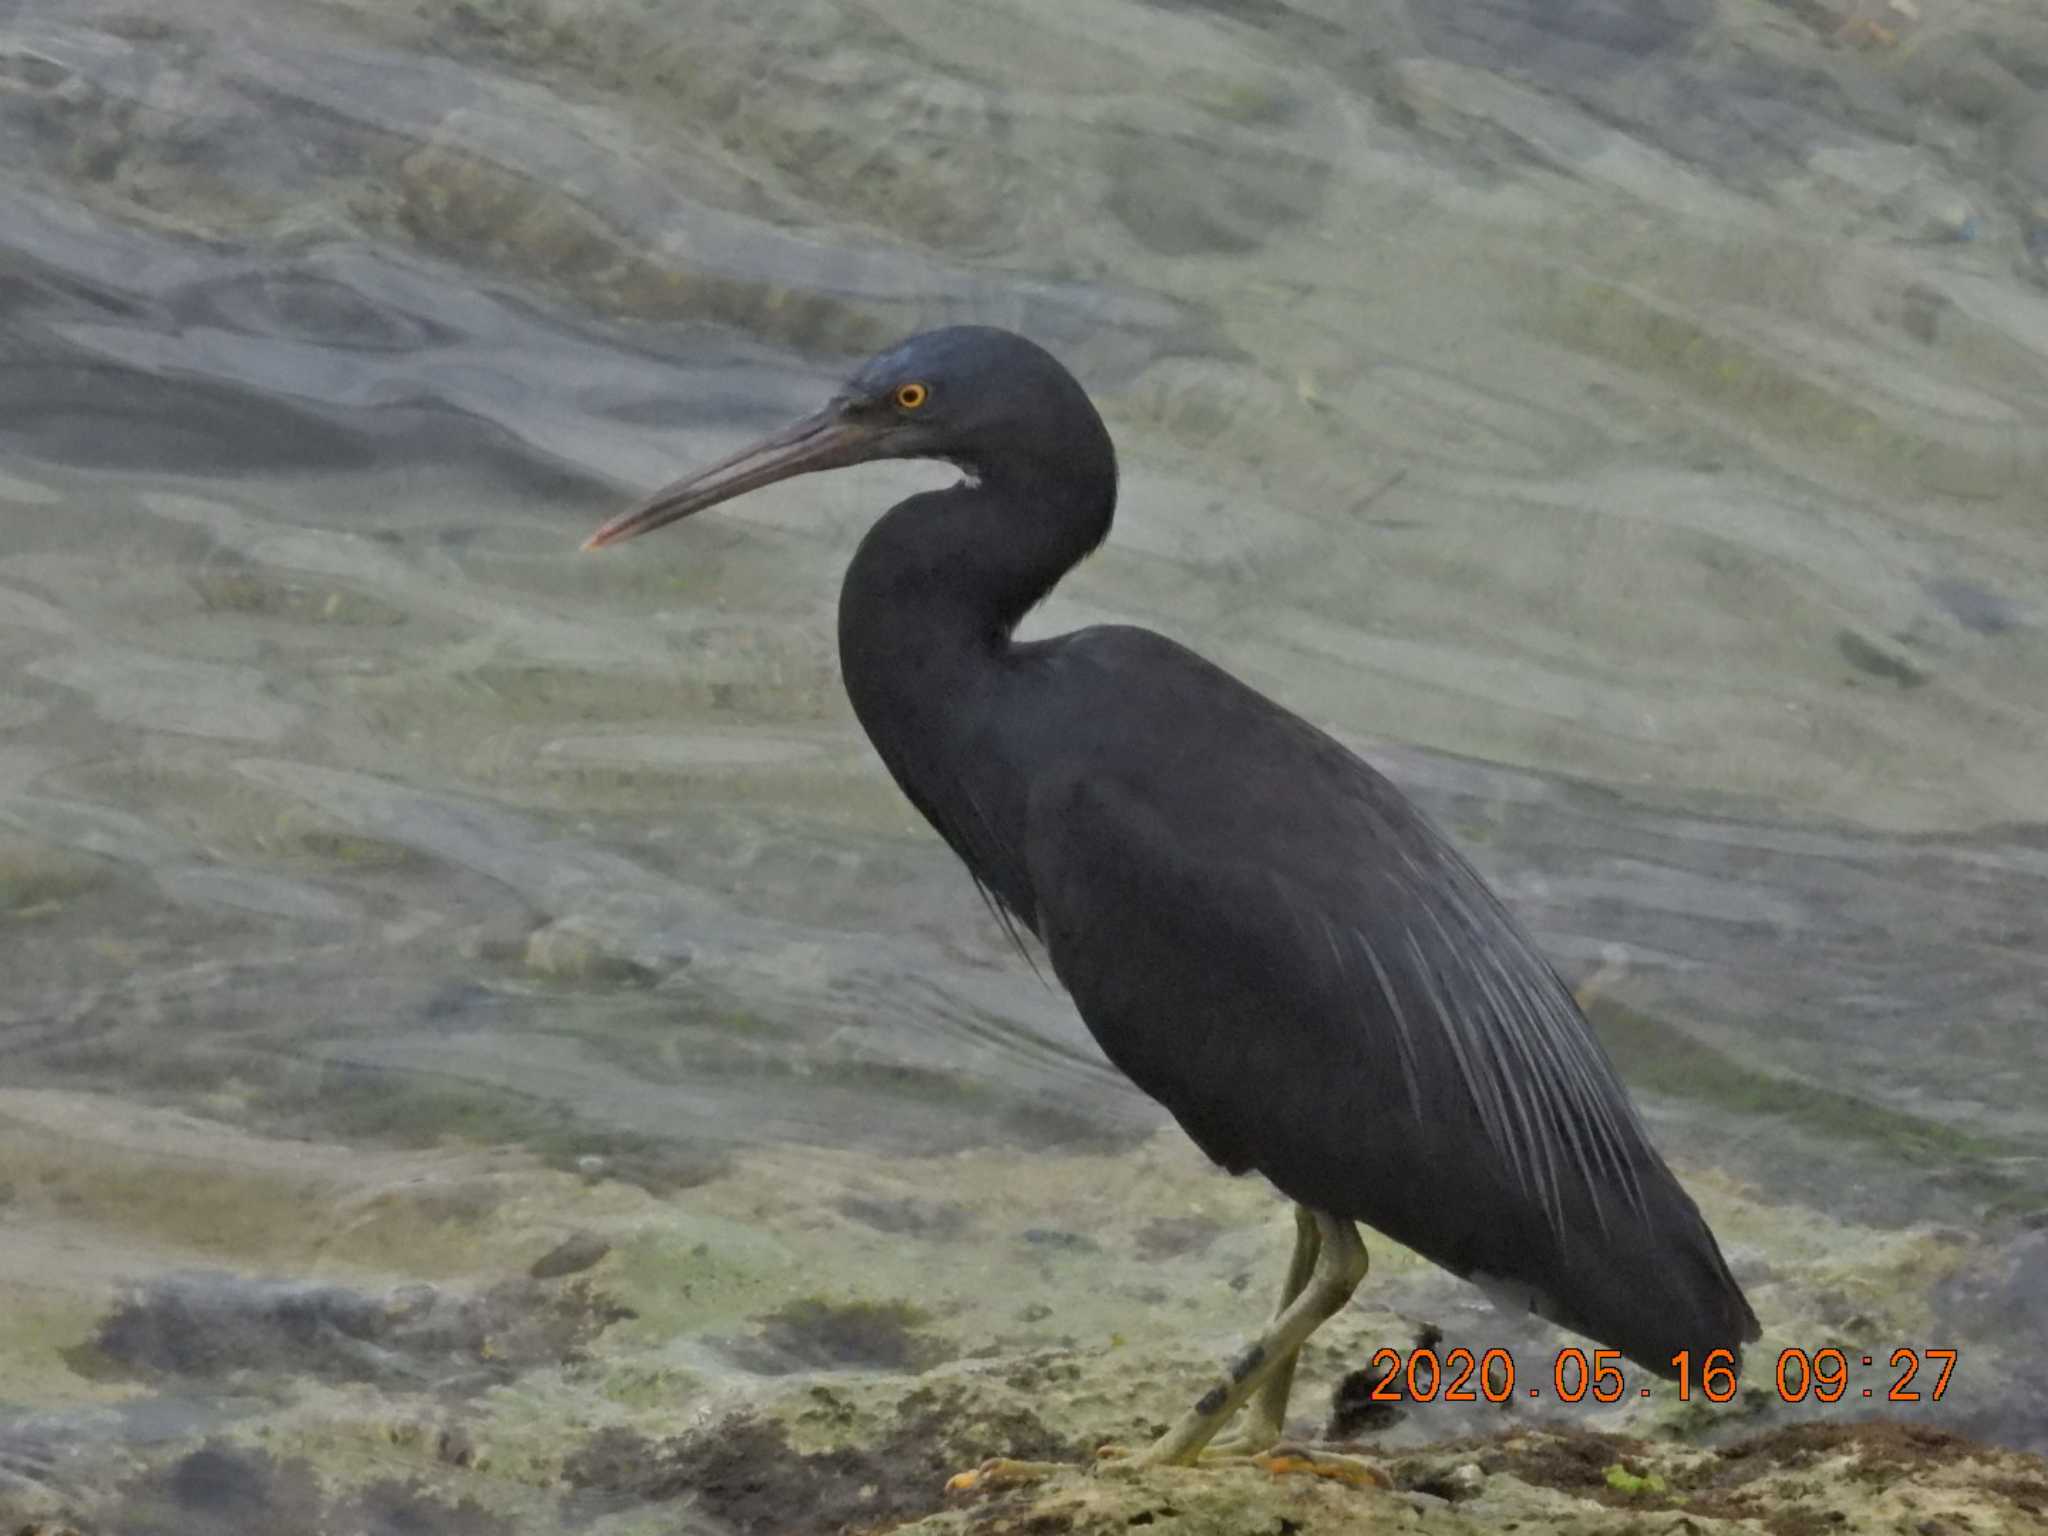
<point>1265,1419</point>
<point>1338,1268</point>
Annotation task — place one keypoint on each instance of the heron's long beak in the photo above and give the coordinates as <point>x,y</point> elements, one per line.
<point>824,441</point>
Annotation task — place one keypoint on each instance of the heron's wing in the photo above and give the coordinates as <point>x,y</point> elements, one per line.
<point>1378,952</point>
<point>1349,1010</point>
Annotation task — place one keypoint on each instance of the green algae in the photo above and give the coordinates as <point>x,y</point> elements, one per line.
<point>409,1108</point>
<point>236,586</point>
<point>37,881</point>
<point>495,217</point>
<point>699,1272</point>
<point>1621,1480</point>
<point>576,953</point>
<point>328,844</point>
<point>244,1213</point>
<point>645,1386</point>
<point>1662,1058</point>
<point>227,1209</point>
<point>1729,367</point>
<point>39,1328</point>
<point>233,814</point>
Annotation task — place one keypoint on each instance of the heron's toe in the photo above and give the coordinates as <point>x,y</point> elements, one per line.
<point>1250,1439</point>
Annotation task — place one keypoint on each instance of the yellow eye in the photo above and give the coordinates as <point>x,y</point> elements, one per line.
<point>911,396</point>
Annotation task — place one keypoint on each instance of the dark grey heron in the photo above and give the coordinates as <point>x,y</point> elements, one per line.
<point>1259,929</point>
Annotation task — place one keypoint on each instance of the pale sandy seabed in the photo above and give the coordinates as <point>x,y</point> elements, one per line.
<point>485,1047</point>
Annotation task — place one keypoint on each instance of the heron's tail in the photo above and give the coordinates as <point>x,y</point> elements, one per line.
<point>1651,1283</point>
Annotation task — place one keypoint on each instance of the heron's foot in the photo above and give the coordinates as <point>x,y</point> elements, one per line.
<point>1240,1448</point>
<point>1254,1436</point>
<point>1001,1472</point>
<point>1116,1460</point>
<point>1122,1460</point>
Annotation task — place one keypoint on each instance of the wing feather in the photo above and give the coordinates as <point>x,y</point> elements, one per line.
<point>1271,941</point>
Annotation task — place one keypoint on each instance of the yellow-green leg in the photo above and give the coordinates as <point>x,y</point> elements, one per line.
<point>1265,1417</point>
<point>1328,1263</point>
<point>1336,1263</point>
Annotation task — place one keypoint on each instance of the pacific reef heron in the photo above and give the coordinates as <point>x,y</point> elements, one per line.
<point>1259,929</point>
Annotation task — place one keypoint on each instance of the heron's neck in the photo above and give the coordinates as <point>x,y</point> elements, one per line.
<point>941,581</point>
<point>925,618</point>
<point>924,640</point>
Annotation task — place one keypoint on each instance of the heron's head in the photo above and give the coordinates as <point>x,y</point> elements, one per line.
<point>983,398</point>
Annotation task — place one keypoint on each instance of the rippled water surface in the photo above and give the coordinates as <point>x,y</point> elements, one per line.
<point>466,997</point>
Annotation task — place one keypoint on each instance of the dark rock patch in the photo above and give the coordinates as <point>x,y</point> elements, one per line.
<point>1867,658</point>
<point>210,1325</point>
<point>812,1334</point>
<point>744,1476</point>
<point>574,1254</point>
<point>222,1489</point>
<point>1170,1237</point>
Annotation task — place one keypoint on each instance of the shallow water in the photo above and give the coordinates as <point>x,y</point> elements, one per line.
<point>1630,434</point>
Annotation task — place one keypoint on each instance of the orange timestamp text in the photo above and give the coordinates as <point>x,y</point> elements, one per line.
<point>1423,1375</point>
